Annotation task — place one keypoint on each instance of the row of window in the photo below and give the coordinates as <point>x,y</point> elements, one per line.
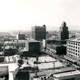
<point>74,43</point>
<point>75,53</point>
<point>72,56</point>
<point>72,49</point>
<point>73,46</point>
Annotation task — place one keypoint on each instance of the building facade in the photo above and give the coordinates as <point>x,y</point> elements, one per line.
<point>39,32</point>
<point>21,36</point>
<point>64,33</point>
<point>73,50</point>
<point>34,47</point>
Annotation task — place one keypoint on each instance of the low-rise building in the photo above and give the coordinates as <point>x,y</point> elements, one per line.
<point>68,75</point>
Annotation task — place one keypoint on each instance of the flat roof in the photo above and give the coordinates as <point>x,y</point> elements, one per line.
<point>33,40</point>
<point>12,66</point>
<point>66,74</point>
<point>46,59</point>
<point>46,62</point>
<point>76,40</point>
<point>24,49</point>
<point>48,72</point>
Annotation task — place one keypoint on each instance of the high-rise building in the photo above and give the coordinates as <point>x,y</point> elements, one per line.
<point>64,33</point>
<point>21,36</point>
<point>39,32</point>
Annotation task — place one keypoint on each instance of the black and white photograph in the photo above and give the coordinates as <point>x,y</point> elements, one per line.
<point>39,39</point>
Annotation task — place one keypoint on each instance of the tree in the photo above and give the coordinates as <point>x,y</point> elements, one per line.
<point>20,62</point>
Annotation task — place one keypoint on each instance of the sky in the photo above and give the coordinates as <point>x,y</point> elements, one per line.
<point>23,14</point>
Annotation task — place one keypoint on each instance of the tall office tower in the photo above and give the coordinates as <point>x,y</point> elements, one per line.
<point>39,32</point>
<point>21,36</point>
<point>64,33</point>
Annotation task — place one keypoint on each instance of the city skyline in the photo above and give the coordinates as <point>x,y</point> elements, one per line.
<point>23,14</point>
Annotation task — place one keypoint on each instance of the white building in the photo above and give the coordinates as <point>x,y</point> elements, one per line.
<point>70,75</point>
<point>73,50</point>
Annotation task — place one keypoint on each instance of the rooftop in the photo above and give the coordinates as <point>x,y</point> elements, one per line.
<point>70,73</point>
<point>33,40</point>
<point>76,39</point>
<point>45,62</point>
<point>54,71</point>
